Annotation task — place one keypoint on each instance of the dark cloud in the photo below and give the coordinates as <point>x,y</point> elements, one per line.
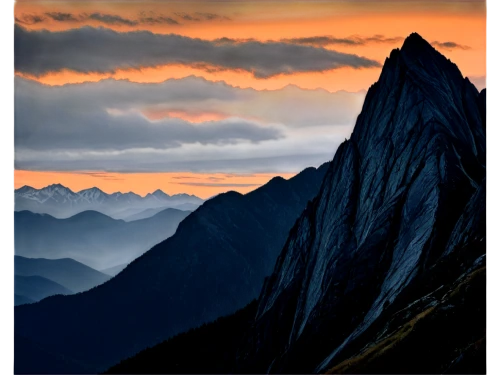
<point>128,164</point>
<point>111,19</point>
<point>52,118</point>
<point>201,16</point>
<point>212,16</point>
<point>144,18</point>
<point>61,17</point>
<point>89,49</point>
<point>382,39</point>
<point>449,45</point>
<point>325,40</point>
<point>187,16</point>
<point>29,19</point>
<point>151,18</point>
<point>210,184</point>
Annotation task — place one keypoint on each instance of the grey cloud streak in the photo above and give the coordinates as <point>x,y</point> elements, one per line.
<point>125,95</point>
<point>291,105</point>
<point>327,40</point>
<point>144,18</point>
<point>151,162</point>
<point>56,118</point>
<point>90,49</point>
<point>354,41</point>
<point>214,184</point>
<point>449,45</point>
<point>286,155</point>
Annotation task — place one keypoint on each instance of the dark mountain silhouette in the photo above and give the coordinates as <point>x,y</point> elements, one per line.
<point>21,300</point>
<point>398,224</point>
<point>90,237</point>
<point>61,202</point>
<point>113,271</point>
<point>211,347</point>
<point>213,265</point>
<point>69,273</point>
<point>36,288</point>
<point>42,360</point>
<point>384,272</point>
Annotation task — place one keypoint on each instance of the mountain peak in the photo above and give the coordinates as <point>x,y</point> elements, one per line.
<point>93,190</point>
<point>160,193</point>
<point>24,189</point>
<point>415,40</point>
<point>57,185</point>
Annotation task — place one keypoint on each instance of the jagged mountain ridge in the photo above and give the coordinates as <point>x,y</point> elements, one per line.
<point>384,217</point>
<point>61,202</point>
<point>213,265</point>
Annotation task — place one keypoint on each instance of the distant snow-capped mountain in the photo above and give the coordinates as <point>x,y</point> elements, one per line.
<point>60,201</point>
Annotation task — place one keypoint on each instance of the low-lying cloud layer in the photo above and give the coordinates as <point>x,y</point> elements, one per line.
<point>124,95</point>
<point>195,96</point>
<point>89,49</point>
<point>44,123</point>
<point>286,156</point>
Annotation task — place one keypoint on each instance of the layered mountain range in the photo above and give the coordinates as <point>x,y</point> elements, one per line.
<point>214,264</point>
<point>384,271</point>
<point>75,277</point>
<point>91,237</point>
<point>61,202</point>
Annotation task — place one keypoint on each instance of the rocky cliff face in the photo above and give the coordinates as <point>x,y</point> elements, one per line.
<point>399,215</point>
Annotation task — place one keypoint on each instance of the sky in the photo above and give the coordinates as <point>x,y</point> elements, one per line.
<point>206,97</point>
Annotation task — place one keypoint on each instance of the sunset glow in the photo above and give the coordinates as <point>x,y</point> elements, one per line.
<point>364,29</point>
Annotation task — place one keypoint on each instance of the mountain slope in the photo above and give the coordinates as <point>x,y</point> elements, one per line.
<point>211,347</point>
<point>21,300</point>
<point>69,273</point>
<point>36,287</point>
<point>90,237</point>
<point>113,271</point>
<point>150,212</point>
<point>384,272</point>
<point>383,221</point>
<point>213,265</point>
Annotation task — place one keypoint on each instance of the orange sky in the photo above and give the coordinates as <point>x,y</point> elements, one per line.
<point>459,22</point>
<point>199,184</point>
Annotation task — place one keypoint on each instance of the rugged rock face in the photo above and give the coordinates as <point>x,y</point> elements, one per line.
<point>400,214</point>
